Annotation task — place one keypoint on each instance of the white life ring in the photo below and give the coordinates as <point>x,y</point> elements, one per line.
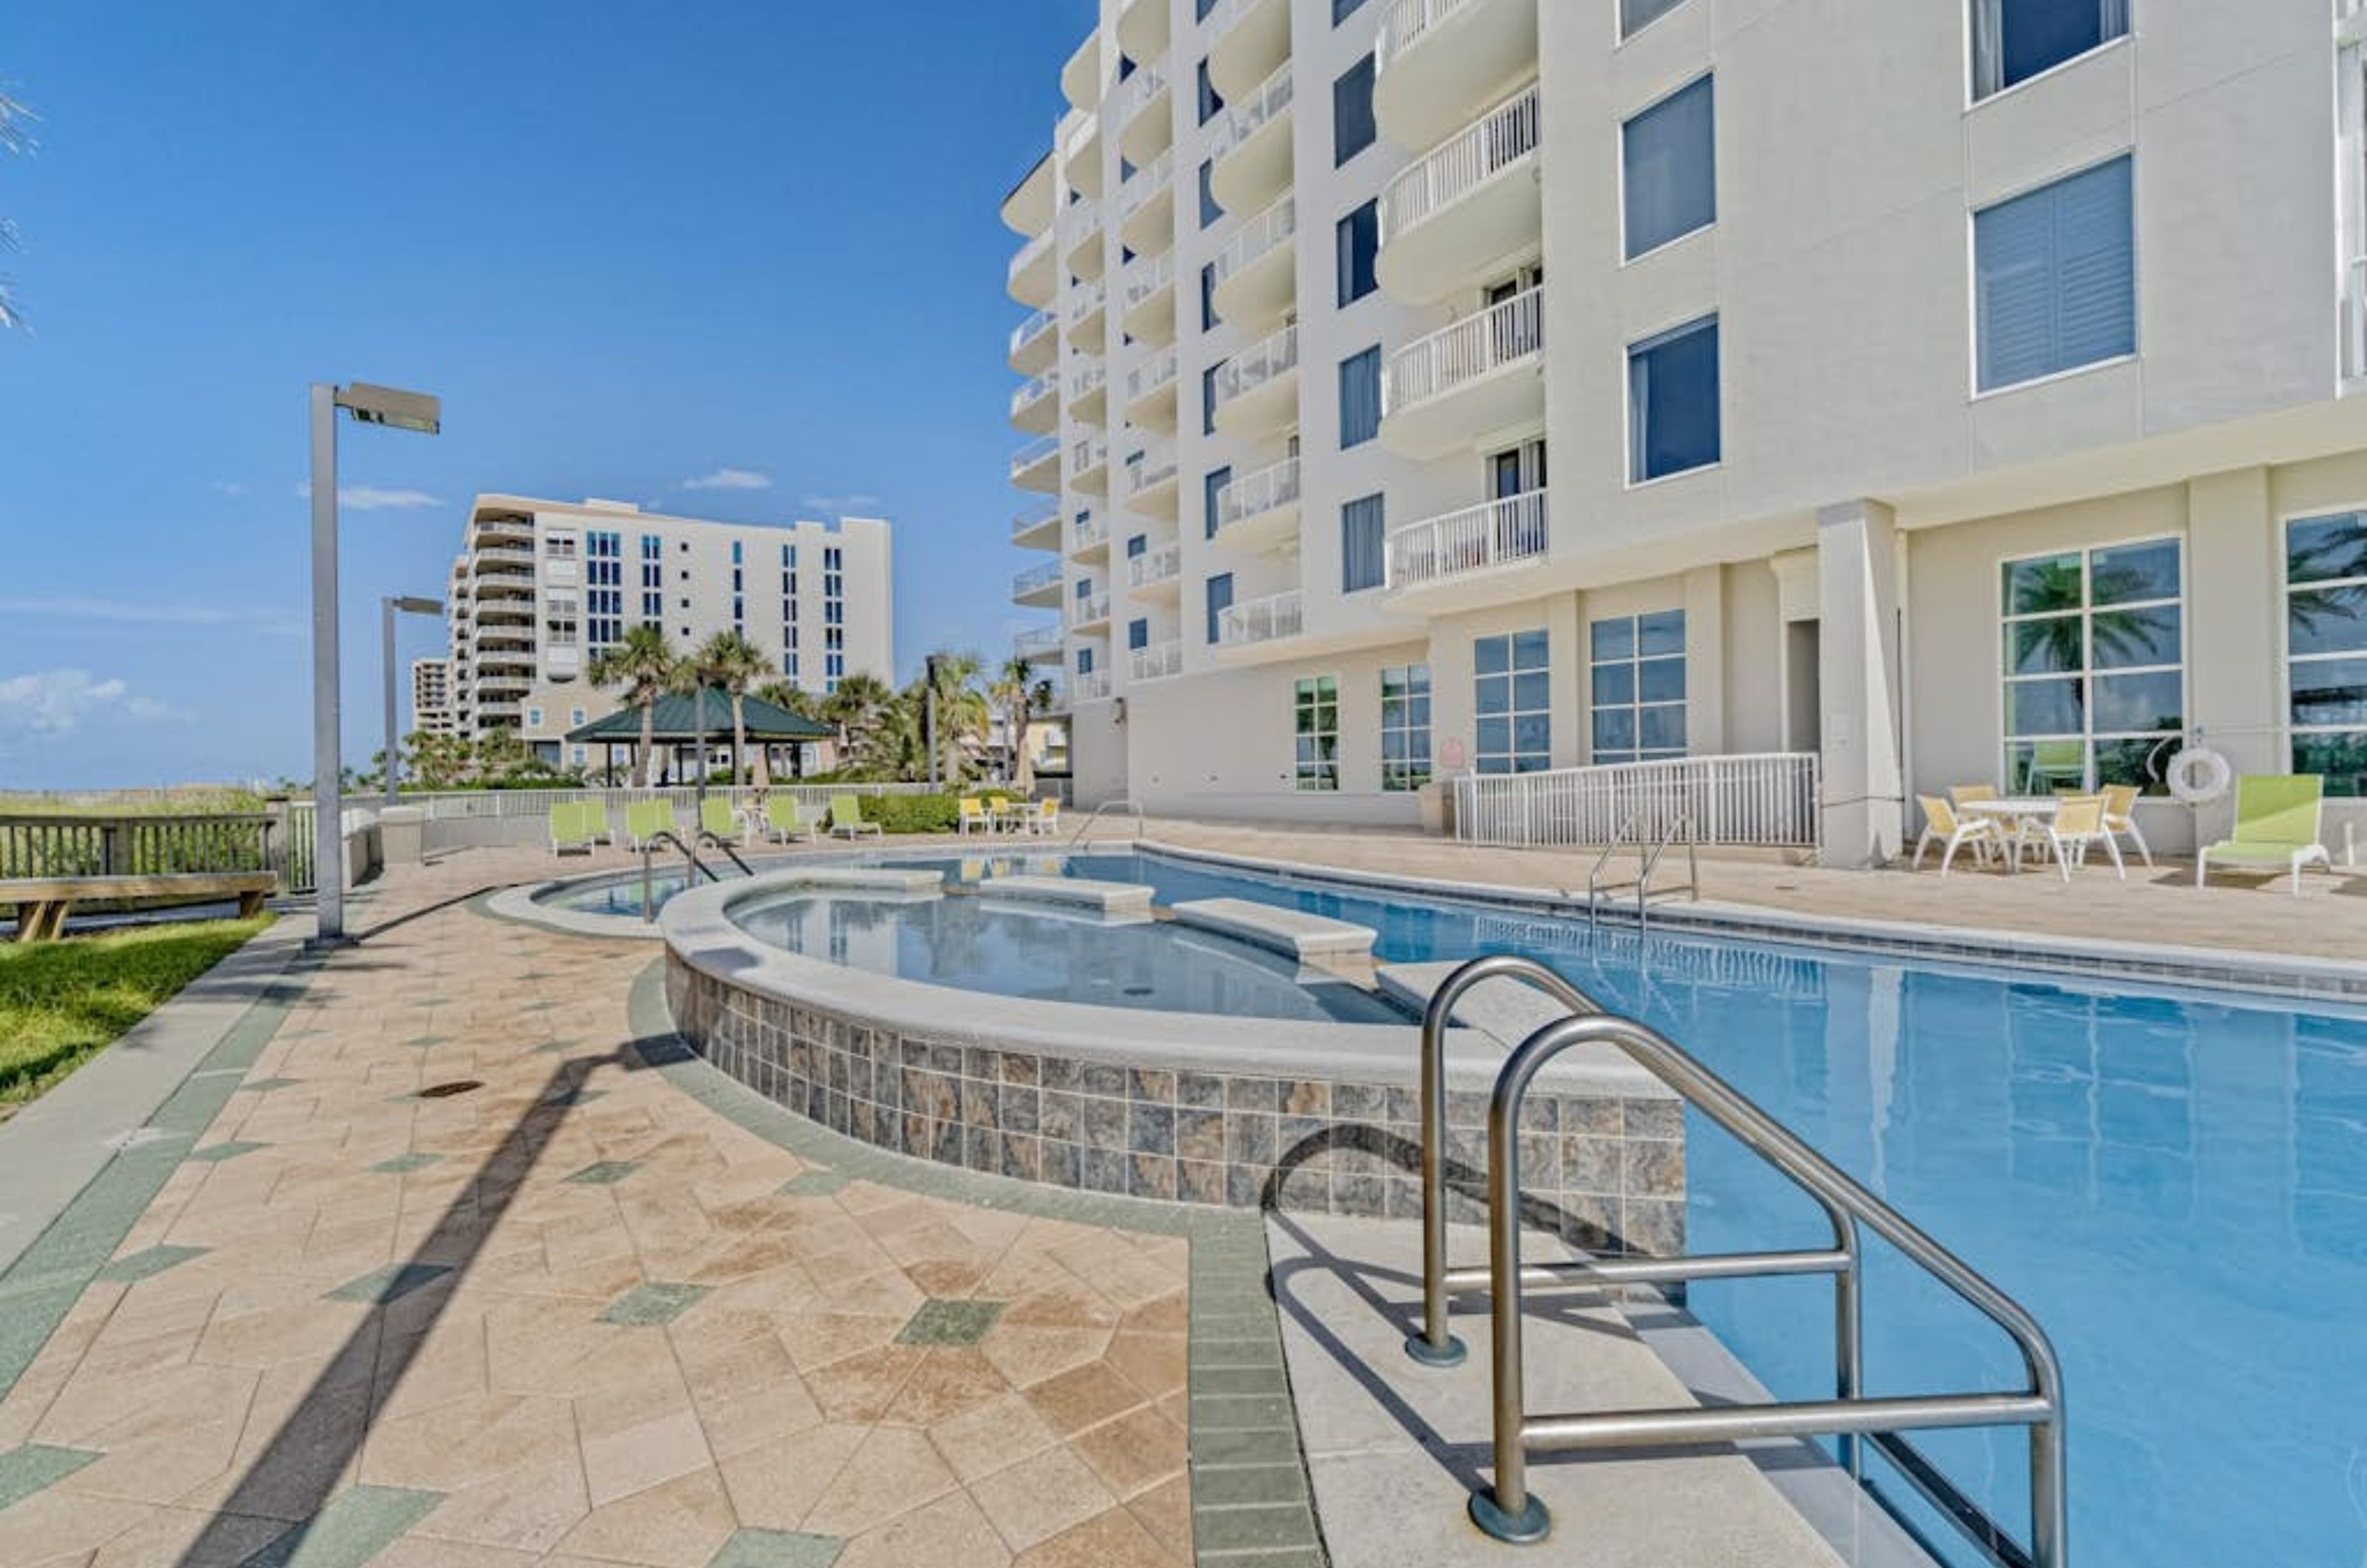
<point>2198,775</point>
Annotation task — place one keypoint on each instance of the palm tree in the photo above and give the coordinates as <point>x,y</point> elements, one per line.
<point>645,665</point>
<point>15,137</point>
<point>962,710</point>
<point>731,661</point>
<point>1015,692</point>
<point>857,708</point>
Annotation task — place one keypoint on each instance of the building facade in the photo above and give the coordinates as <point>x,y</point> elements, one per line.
<point>431,697</point>
<point>1957,391</point>
<point>543,586</point>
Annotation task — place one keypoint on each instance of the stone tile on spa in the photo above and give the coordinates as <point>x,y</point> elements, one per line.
<point>776,1485</point>
<point>1084,1397</point>
<point>604,1173</point>
<point>653,1306</point>
<point>777,1549</point>
<point>1112,1539</point>
<point>680,1523</point>
<point>992,1436</point>
<point>816,1183</point>
<point>403,1165</point>
<point>894,1472</point>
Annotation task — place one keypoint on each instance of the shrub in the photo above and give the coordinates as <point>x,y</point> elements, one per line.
<point>912,813</point>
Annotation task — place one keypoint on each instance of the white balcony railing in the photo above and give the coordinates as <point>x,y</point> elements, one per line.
<point>1145,184</point>
<point>1087,379</point>
<point>1036,578</point>
<point>1406,23</point>
<point>1149,277</point>
<point>1255,494</point>
<point>1079,221</point>
<point>1092,685</point>
<point>1475,539</point>
<point>1146,83</point>
<point>1085,298</point>
<point>1087,456</point>
<point>1034,327</point>
<point>1035,517</point>
<point>1090,611</point>
<point>1155,467</point>
<point>1268,104</point>
<point>1767,799</point>
<point>1089,533</point>
<point>1158,660</point>
<point>1152,374</point>
<point>1033,251</point>
<point>1025,394</point>
<point>1480,344</point>
<point>1255,240</point>
<point>2355,303</point>
<point>1152,567</point>
<point>1500,140</point>
<point>1270,619</point>
<point>1260,366</point>
<point>1039,642</point>
<point>1034,452</point>
<point>1223,14</point>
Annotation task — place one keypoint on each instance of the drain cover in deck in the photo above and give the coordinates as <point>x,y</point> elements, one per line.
<point>446,1091</point>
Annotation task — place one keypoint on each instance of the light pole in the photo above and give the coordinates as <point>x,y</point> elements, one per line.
<point>387,609</point>
<point>368,405</point>
<point>929,679</point>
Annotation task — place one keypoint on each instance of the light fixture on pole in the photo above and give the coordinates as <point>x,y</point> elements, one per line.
<point>368,405</point>
<point>387,609</point>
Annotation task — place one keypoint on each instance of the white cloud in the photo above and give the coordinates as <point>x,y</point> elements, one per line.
<point>730,478</point>
<point>82,607</point>
<point>55,702</point>
<point>229,486</point>
<point>371,498</point>
<point>840,504</point>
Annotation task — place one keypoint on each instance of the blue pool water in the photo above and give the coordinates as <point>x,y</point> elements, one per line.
<point>2175,1183</point>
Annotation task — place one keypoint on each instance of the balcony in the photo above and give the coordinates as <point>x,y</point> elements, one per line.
<point>1260,511</point>
<point>1089,466</point>
<point>1432,558</point>
<point>1146,116</point>
<point>1028,210</point>
<point>1036,466</point>
<point>1143,28</point>
<point>1088,326</point>
<point>1081,238</point>
<point>1036,271</point>
<point>1257,391</point>
<point>1251,148</point>
<point>1256,274</point>
<point>1089,392</point>
<point>1248,41</point>
<point>1156,574</point>
<point>1146,207</point>
<point>1148,312</point>
<point>489,530</point>
<point>1159,661</point>
<point>1150,487</point>
<point>1035,343</point>
<point>1089,613</point>
<point>1089,540</point>
<point>1150,392</point>
<point>1039,642</point>
<point>1038,527</point>
<point>1082,79</point>
<point>1038,586</point>
<point>1482,377</point>
<point>1441,62</point>
<point>1092,685</point>
<point>501,612</point>
<point>1257,621</point>
<point>1467,209</point>
<point>1036,407</point>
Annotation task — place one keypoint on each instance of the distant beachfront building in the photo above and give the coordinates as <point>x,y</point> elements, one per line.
<point>431,697</point>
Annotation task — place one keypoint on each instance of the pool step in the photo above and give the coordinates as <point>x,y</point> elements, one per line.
<point>1290,933</point>
<point>1504,1009</point>
<point>1125,900</point>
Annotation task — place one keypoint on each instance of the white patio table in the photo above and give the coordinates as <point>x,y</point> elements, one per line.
<point>2014,814</point>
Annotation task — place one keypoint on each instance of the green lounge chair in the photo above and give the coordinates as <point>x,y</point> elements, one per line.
<point>645,819</point>
<point>595,821</point>
<point>846,819</point>
<point>569,830</point>
<point>2277,822</point>
<point>786,820</point>
<point>718,821</point>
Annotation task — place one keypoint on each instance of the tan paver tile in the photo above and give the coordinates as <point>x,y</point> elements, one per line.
<point>991,1437</point>
<point>1039,1498</point>
<point>1111,1539</point>
<point>676,1524</point>
<point>894,1472</point>
<point>952,1530</point>
<point>1134,1452</point>
<point>776,1485</point>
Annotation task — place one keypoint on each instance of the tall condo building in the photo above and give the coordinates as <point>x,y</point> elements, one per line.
<point>431,696</point>
<point>544,585</point>
<point>1950,391</point>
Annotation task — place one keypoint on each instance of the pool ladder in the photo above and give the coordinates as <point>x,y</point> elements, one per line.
<point>1126,808</point>
<point>1647,863</point>
<point>696,867</point>
<point>1507,1510</point>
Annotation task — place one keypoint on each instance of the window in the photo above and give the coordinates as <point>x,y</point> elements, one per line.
<point>1136,545</point>
<point>1209,398</point>
<point>2094,653</point>
<point>1137,634</point>
<point>1673,419</point>
<point>560,546</point>
<point>1209,210</point>
<point>1360,398</point>
<point>2054,278</point>
<point>1512,694</point>
<point>1209,321</point>
<point>1084,661</point>
<point>2326,649</point>
<point>1637,675</point>
<point>1359,245</point>
<point>2015,40</point>
<point>1363,545</point>
<point>1668,169</point>
<point>579,755</point>
<point>1343,10</point>
<point>1405,728</point>
<point>1352,128</point>
<point>1638,13</point>
<point>575,717</point>
<point>534,718</point>
<point>1210,104</point>
<point>1316,716</point>
<point>1220,598</point>
<point>1212,495</point>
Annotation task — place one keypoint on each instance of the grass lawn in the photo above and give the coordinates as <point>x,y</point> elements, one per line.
<point>61,1002</point>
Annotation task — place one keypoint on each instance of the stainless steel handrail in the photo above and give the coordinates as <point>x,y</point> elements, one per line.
<point>1507,1510</point>
<point>1126,806</point>
<point>698,868</point>
<point>1647,863</point>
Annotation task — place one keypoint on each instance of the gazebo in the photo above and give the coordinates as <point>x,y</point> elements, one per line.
<point>703,720</point>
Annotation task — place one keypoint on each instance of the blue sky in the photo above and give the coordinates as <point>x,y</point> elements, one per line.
<point>630,245</point>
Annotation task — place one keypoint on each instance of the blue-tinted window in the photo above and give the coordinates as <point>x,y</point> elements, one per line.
<point>1670,169</point>
<point>1220,598</point>
<point>1635,14</point>
<point>1208,317</point>
<point>1138,543</point>
<point>1512,704</point>
<point>1359,245</point>
<point>1208,399</point>
<point>1636,677</point>
<point>2054,278</point>
<point>1138,634</point>
<point>1212,490</point>
<point>1353,128</point>
<point>1343,10</point>
<point>1672,415</point>
<point>1084,661</point>
<point>1364,544</point>
<point>1209,210</point>
<point>1360,398</point>
<point>1211,105</point>
<point>2015,40</point>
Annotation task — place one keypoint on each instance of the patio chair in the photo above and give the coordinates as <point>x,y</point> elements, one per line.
<point>846,819</point>
<point>2078,823</point>
<point>645,819</point>
<point>1962,793</point>
<point>595,821</point>
<point>569,830</point>
<point>786,820</point>
<point>718,820</point>
<point>973,815</point>
<point>1045,821</point>
<point>2277,822</point>
<point>2121,818</point>
<point>1942,826</point>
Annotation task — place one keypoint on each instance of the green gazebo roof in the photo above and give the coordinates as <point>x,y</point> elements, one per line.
<point>678,722</point>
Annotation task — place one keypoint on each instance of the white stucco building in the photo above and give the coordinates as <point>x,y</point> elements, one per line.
<point>1955,391</point>
<point>544,585</point>
<point>431,697</point>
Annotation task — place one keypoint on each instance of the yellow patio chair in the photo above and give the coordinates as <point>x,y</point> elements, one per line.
<point>1942,826</point>
<point>2277,823</point>
<point>2121,818</point>
<point>973,815</point>
<point>595,821</point>
<point>2076,824</point>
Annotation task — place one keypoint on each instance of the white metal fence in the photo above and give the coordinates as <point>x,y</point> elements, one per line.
<point>1498,140</point>
<point>1478,538</point>
<point>1255,494</point>
<point>1477,345</point>
<point>1253,367</point>
<point>1276,616</point>
<point>1403,25</point>
<point>1264,107</point>
<point>1254,239</point>
<point>509,804</point>
<point>1768,799</point>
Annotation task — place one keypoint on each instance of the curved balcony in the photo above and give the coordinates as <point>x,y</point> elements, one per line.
<point>491,530</point>
<point>1255,621</point>
<point>1038,527</point>
<point>1080,156</point>
<point>1089,540</point>
<point>1036,271</point>
<point>1430,559</point>
<point>1251,150</point>
<point>1146,115</point>
<point>504,612</point>
<point>1482,377</point>
<point>1441,62</point>
<point>1089,392</point>
<point>1149,315</point>
<point>1082,250</point>
<point>1150,483</point>
<point>1156,573</point>
<point>1092,685</point>
<point>1260,511</point>
<point>1090,613</point>
<point>1035,343</point>
<point>1088,318</point>
<point>1028,209</point>
<point>1038,586</point>
<point>1256,274</point>
<point>1036,466</point>
<point>1082,79</point>
<point>1257,391</point>
<point>1248,41</point>
<point>1146,207</point>
<point>1143,28</point>
<point>1466,209</point>
<point>1089,466</point>
<point>1157,662</point>
<point>1150,392</point>
<point>1036,407</point>
<point>1038,643</point>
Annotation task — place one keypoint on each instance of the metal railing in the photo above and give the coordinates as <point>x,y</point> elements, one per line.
<point>1648,853</point>
<point>1047,385</point>
<point>1106,806</point>
<point>2355,305</point>
<point>1034,327</point>
<point>1406,23</point>
<point>1765,800</point>
<point>1089,532</point>
<point>1255,240</point>
<point>694,868</point>
<point>1034,452</point>
<point>1036,578</point>
<point>1155,374</point>
<point>1035,517</point>
<point>1254,495</point>
<point>1476,539</point>
<point>1040,642</point>
<point>1089,611</point>
<point>1154,567</point>
<point>1158,660</point>
<point>1080,222</point>
<point>1088,455</point>
<point>1145,184</point>
<point>1270,619</point>
<point>1090,377</point>
<point>1034,250</point>
<point>1085,298</point>
<point>1503,334</point>
<point>1150,468</point>
<point>1092,685</point>
<point>1500,140</point>
<point>1149,277</point>
<point>511,805</point>
<point>1259,366</point>
<point>1146,83</point>
<point>1268,104</point>
<point>1506,1509</point>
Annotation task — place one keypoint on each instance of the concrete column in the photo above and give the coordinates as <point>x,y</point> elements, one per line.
<point>1565,651</point>
<point>1857,582</point>
<point>1706,628</point>
<point>2234,680</point>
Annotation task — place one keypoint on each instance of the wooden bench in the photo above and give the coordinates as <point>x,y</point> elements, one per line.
<point>43,903</point>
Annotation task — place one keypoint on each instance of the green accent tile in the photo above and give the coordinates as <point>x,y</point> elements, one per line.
<point>423,1041</point>
<point>25,1470</point>
<point>356,1525</point>
<point>950,1322</point>
<point>264,1086</point>
<point>149,1261</point>
<point>400,1163</point>
<point>605,1173</point>
<point>1263,1527</point>
<point>814,1183</point>
<point>230,1150</point>
<point>1248,1486</point>
<point>392,1283</point>
<point>653,1306</point>
<point>777,1549</point>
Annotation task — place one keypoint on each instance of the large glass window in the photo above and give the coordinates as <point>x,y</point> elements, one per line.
<point>1213,486</point>
<point>1635,14</point>
<point>1405,726</point>
<point>1360,398</point>
<point>1209,210</point>
<point>1359,247</point>
<point>1317,725</point>
<point>2326,649</point>
<point>1672,415</point>
<point>2094,654</point>
<point>1209,398</point>
<point>1513,695</point>
<point>1637,675</point>
<point>1210,103</point>
<point>2015,40</point>
<point>1352,126</point>
<point>1668,169</point>
<point>1364,544</point>
<point>2054,278</point>
<point>1220,598</point>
